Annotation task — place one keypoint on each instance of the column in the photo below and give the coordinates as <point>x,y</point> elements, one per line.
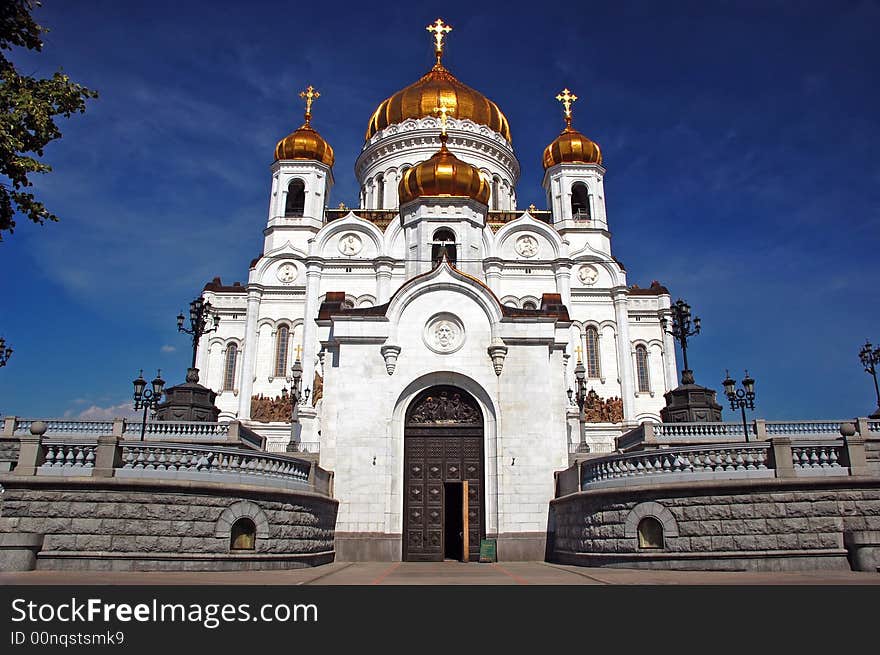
<point>492,268</point>
<point>671,369</point>
<point>624,353</point>
<point>249,363</point>
<point>314,269</point>
<point>562,271</point>
<point>384,266</point>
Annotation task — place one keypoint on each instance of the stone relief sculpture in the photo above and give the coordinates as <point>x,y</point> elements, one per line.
<point>266,410</point>
<point>527,246</point>
<point>602,410</point>
<point>445,335</point>
<point>445,409</point>
<point>588,274</point>
<point>350,244</point>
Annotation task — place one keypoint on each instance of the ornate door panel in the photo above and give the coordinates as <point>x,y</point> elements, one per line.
<point>443,442</point>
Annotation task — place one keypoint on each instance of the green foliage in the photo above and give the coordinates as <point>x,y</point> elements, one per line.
<point>28,107</point>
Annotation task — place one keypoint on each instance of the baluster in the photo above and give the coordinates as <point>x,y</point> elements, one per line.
<point>814,458</point>
<point>68,456</point>
<point>50,456</point>
<point>823,458</point>
<point>90,458</point>
<point>832,458</point>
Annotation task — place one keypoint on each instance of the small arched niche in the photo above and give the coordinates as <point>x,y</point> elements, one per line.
<point>296,199</point>
<point>650,532</point>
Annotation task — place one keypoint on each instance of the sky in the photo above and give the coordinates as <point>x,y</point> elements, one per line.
<point>740,140</point>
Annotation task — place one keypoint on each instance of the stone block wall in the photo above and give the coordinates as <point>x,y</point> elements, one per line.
<point>8,453</point>
<point>164,525</point>
<point>751,525</point>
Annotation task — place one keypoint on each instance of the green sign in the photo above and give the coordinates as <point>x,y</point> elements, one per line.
<point>487,550</point>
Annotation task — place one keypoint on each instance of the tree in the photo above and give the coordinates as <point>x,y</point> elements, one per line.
<point>28,107</point>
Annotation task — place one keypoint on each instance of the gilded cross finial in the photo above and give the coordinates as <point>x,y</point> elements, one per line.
<point>443,109</point>
<point>567,98</point>
<point>439,29</point>
<point>532,208</point>
<point>309,95</point>
<point>298,352</point>
<point>579,352</point>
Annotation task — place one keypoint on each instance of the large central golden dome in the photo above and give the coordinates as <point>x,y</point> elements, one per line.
<point>438,88</point>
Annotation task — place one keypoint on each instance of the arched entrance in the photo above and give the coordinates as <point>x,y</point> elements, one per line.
<point>443,477</point>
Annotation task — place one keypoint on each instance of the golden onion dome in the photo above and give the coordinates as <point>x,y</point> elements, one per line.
<point>443,174</point>
<point>437,87</point>
<point>305,143</point>
<point>571,147</point>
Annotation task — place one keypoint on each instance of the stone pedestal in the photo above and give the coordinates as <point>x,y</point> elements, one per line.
<point>690,403</point>
<point>188,402</point>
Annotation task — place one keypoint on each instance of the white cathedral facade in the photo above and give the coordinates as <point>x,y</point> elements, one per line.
<point>438,325</point>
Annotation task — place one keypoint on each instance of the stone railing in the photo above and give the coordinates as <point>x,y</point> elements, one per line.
<point>212,464</point>
<point>112,457</point>
<point>188,431</point>
<point>661,435</point>
<point>578,449</point>
<point>778,457</point>
<point>305,447</point>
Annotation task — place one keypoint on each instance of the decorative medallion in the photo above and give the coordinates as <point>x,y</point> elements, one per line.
<point>588,275</point>
<point>444,333</point>
<point>527,246</point>
<point>350,244</point>
<point>286,273</point>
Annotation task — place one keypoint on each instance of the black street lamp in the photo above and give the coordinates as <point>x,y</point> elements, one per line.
<point>682,328</point>
<point>147,398</point>
<point>297,396</point>
<point>580,397</point>
<point>741,398</point>
<point>199,313</point>
<point>870,357</point>
<point>5,353</point>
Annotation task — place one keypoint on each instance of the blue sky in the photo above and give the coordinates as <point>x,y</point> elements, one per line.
<point>740,138</point>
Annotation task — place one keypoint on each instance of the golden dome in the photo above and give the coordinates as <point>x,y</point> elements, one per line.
<point>571,147</point>
<point>443,174</point>
<point>437,87</point>
<point>305,143</point>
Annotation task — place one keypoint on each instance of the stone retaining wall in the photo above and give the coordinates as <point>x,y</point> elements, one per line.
<point>117,524</point>
<point>745,525</point>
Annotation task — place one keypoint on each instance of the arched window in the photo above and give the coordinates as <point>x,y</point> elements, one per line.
<point>642,368</point>
<point>281,339</point>
<point>496,191</point>
<point>296,198</point>
<point>243,535</point>
<point>444,242</point>
<point>229,369</point>
<point>650,533</point>
<point>591,337</point>
<point>380,192</point>
<point>530,304</point>
<point>580,202</point>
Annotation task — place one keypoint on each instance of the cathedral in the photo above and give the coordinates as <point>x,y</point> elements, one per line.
<point>438,329</point>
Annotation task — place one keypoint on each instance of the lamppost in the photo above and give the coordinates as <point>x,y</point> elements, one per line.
<point>740,398</point>
<point>297,395</point>
<point>682,328</point>
<point>199,313</point>
<point>870,357</point>
<point>147,398</point>
<point>580,397</point>
<point>5,353</point>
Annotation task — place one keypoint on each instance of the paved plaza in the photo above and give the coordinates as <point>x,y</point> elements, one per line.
<point>442,573</point>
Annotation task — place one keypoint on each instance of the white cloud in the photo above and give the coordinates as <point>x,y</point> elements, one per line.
<point>168,349</point>
<point>97,413</point>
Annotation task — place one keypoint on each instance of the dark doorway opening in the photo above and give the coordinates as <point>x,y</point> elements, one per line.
<point>453,521</point>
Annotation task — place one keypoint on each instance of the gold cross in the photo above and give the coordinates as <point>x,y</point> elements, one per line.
<point>579,352</point>
<point>439,30</point>
<point>532,207</point>
<point>567,98</point>
<point>299,350</point>
<point>443,109</point>
<point>309,95</point>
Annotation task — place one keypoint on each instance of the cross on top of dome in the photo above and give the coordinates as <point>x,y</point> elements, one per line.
<point>567,98</point>
<point>443,109</point>
<point>309,95</point>
<point>439,29</point>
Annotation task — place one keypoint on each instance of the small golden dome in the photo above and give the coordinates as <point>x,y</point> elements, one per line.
<point>305,143</point>
<point>438,86</point>
<point>443,174</point>
<point>571,147</point>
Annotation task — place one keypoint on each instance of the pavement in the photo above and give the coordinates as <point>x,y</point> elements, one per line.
<point>440,573</point>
